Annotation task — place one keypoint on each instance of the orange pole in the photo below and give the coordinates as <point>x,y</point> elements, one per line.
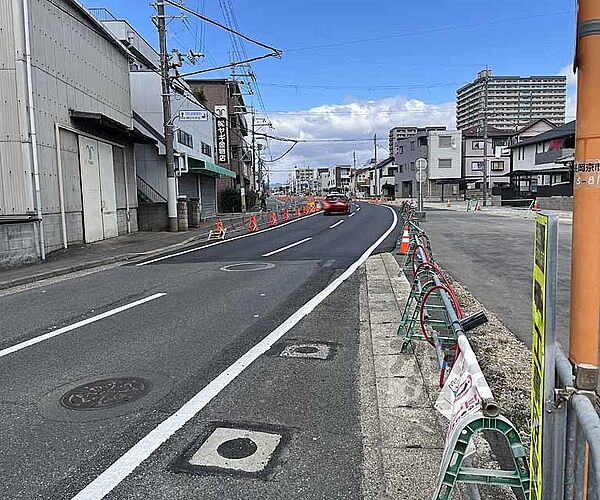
<point>585,264</point>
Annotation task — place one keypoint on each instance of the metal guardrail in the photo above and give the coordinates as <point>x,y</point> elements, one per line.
<point>576,443</point>
<point>441,322</point>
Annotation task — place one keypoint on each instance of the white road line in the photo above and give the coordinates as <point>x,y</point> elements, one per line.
<point>352,214</point>
<point>336,224</point>
<point>183,252</point>
<point>358,209</point>
<point>128,462</point>
<point>74,326</point>
<point>286,247</point>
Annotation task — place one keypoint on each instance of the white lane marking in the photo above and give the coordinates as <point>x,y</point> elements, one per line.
<point>352,214</point>
<point>358,209</point>
<point>130,460</point>
<point>286,247</point>
<point>336,224</point>
<point>183,252</point>
<point>79,324</point>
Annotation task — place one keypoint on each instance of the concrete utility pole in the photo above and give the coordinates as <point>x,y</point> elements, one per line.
<point>167,121</point>
<point>254,156</point>
<point>585,264</point>
<point>485,137</point>
<point>377,193</point>
<point>353,177</point>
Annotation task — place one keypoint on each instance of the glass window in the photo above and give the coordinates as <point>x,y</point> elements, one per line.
<point>477,144</point>
<point>445,162</point>
<point>445,141</point>
<point>476,166</point>
<point>185,139</point>
<point>497,165</point>
<point>412,145</point>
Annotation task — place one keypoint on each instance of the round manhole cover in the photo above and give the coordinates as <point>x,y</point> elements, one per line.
<point>306,349</point>
<point>106,393</point>
<point>248,266</point>
<point>237,448</point>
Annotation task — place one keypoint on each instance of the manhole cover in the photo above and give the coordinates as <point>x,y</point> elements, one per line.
<point>296,348</point>
<point>106,393</point>
<point>248,266</point>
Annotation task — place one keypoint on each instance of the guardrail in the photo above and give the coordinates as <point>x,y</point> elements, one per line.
<point>432,313</point>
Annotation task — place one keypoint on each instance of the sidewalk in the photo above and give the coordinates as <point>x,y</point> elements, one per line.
<point>403,435</point>
<point>130,247</point>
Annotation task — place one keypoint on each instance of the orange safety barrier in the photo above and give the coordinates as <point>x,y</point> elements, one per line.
<point>297,213</point>
<point>252,225</point>
<point>285,215</point>
<point>273,219</point>
<point>218,233</point>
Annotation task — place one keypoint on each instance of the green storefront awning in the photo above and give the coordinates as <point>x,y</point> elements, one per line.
<point>208,168</point>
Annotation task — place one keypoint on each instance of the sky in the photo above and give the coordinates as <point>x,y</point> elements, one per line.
<point>353,69</point>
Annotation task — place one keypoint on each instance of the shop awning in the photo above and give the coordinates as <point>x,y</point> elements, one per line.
<point>207,168</point>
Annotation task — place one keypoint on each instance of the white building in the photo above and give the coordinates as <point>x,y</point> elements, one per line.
<point>303,180</point>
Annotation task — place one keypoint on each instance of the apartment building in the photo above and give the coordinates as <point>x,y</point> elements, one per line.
<point>339,178</point>
<point>398,134</point>
<point>512,101</point>
<point>443,151</point>
<point>303,181</point>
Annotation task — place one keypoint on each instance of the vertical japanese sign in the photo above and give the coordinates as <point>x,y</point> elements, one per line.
<point>543,355</point>
<point>222,134</point>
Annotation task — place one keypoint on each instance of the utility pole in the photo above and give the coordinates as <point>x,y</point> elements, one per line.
<point>585,263</point>
<point>167,121</point>
<point>376,169</point>
<point>254,156</point>
<point>485,137</point>
<point>353,177</point>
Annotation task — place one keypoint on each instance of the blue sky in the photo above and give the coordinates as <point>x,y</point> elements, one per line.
<point>425,50</point>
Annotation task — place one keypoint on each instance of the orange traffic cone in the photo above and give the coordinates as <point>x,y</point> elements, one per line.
<point>535,205</point>
<point>405,242</point>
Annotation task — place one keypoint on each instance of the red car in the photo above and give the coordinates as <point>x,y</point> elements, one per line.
<point>336,203</point>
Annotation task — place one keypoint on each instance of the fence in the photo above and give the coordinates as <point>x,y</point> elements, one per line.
<point>433,314</point>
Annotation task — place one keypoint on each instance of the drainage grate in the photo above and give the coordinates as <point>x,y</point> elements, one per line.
<point>295,348</point>
<point>106,393</point>
<point>234,449</point>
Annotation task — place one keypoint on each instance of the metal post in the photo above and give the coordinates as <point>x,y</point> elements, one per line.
<point>167,121</point>
<point>585,263</point>
<point>485,138</point>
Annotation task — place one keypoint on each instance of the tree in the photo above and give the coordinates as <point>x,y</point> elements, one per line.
<point>200,96</point>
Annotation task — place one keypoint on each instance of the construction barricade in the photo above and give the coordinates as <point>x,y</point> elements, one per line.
<point>218,233</point>
<point>252,224</point>
<point>285,215</point>
<point>433,314</point>
<point>273,221</point>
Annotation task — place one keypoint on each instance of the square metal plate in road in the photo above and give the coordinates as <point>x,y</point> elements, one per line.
<point>233,449</point>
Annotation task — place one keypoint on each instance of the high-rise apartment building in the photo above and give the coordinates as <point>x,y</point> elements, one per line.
<point>512,101</point>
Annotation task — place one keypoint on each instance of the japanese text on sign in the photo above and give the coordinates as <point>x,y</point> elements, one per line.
<point>587,173</point>
<point>222,146</point>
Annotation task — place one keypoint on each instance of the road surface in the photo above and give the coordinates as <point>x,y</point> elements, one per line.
<point>113,381</point>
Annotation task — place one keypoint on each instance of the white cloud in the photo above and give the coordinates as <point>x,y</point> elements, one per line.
<point>354,119</point>
<point>571,91</point>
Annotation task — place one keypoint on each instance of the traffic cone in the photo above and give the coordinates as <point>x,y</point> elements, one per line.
<point>449,205</point>
<point>535,205</point>
<point>405,242</point>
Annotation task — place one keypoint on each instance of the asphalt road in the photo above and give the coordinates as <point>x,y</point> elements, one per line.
<point>180,325</point>
<point>492,256</point>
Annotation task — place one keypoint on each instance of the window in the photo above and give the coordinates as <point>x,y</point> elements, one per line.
<point>206,149</point>
<point>392,170</point>
<point>476,166</point>
<point>445,162</point>
<point>477,144</point>
<point>412,145</point>
<point>498,142</point>
<point>422,141</point>
<point>521,152</point>
<point>401,167</point>
<point>497,165</point>
<point>400,150</point>
<point>540,147</point>
<point>185,139</point>
<point>412,166</point>
<point>445,141</point>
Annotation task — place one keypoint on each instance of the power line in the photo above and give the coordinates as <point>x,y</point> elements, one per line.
<point>429,110</point>
<point>358,86</point>
<point>427,31</point>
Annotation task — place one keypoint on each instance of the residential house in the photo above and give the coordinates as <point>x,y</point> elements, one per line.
<point>498,159</point>
<point>225,98</point>
<point>383,178</point>
<point>322,180</point>
<point>339,178</point>
<point>361,182</point>
<point>443,151</point>
<point>73,134</point>
<point>542,165</point>
<point>399,133</point>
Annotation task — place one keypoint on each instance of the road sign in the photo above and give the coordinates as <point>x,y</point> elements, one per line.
<point>545,252</point>
<point>421,164</point>
<point>193,115</point>
<point>421,176</point>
